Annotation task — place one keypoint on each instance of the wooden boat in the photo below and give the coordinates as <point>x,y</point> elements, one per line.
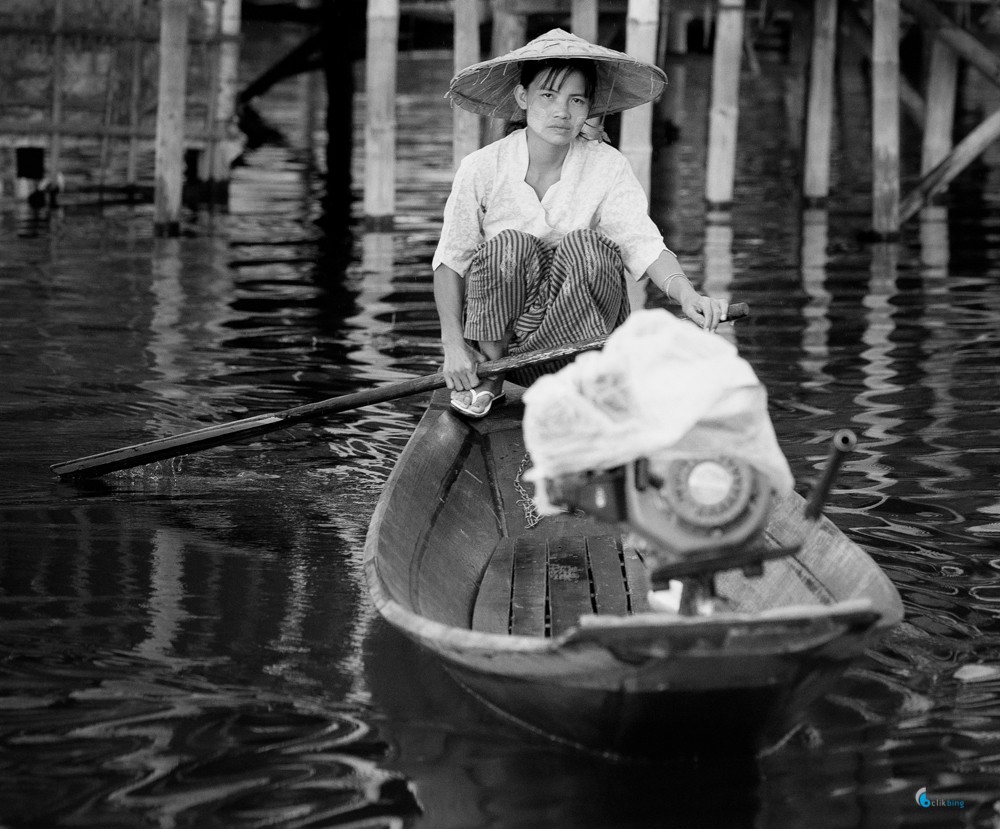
<point>550,623</point>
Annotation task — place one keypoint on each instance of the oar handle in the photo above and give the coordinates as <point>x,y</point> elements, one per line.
<point>223,433</point>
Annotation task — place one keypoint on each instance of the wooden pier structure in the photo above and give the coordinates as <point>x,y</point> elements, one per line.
<point>152,84</point>
<point>657,28</point>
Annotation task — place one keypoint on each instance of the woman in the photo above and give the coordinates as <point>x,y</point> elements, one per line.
<point>542,225</point>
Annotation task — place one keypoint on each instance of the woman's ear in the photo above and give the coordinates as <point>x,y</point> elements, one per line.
<point>521,96</point>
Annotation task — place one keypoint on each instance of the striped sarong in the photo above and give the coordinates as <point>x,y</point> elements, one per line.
<point>540,296</point>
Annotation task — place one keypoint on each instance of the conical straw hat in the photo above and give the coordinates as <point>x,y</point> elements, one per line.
<point>623,82</point>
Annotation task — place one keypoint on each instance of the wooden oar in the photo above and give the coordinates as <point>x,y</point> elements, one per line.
<point>206,438</point>
<point>223,433</point>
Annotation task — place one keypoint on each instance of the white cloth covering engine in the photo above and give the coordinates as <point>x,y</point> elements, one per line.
<point>659,386</point>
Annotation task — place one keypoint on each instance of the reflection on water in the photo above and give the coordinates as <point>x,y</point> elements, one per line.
<point>191,643</point>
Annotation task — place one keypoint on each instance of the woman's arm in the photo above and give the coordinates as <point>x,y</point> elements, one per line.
<point>460,359</point>
<point>667,275</point>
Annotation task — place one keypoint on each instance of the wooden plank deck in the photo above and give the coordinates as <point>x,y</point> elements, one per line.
<point>536,586</point>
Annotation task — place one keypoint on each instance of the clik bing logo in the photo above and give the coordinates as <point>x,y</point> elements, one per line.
<point>930,802</point>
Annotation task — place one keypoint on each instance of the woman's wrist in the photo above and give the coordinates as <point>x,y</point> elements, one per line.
<point>675,285</point>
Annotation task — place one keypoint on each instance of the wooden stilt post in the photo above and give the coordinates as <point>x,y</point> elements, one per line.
<point>635,144</point>
<point>860,33</point>
<point>942,82</point>
<point>584,19</point>
<point>637,123</point>
<point>106,118</point>
<point>170,117</point>
<point>465,125</point>
<point>135,98</point>
<point>310,96</point>
<point>885,118</point>
<point>380,129</point>
<point>226,91</point>
<point>670,107</point>
<point>509,32</point>
<point>799,49</point>
<point>58,54</point>
<point>718,277</point>
<point>819,120</point>
<point>724,114</point>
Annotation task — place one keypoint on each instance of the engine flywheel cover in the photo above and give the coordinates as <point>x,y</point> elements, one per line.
<point>708,492</point>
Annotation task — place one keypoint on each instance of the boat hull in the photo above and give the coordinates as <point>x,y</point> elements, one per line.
<point>633,682</point>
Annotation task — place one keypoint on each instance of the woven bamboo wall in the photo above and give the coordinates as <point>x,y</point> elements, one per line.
<point>79,78</point>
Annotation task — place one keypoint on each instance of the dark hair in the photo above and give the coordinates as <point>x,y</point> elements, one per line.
<point>556,70</point>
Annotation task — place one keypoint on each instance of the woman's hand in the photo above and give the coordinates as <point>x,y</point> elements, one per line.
<point>459,369</point>
<point>703,310</point>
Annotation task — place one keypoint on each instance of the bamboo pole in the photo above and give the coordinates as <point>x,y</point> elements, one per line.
<point>724,114</point>
<point>819,118</point>
<point>885,117</point>
<point>637,123</point>
<point>942,83</point>
<point>170,117</point>
<point>465,125</point>
<point>380,126</point>
<point>584,19</point>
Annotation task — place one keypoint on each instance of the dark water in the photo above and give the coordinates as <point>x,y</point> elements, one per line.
<point>191,644</point>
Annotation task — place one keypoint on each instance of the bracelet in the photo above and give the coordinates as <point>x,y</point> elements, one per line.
<point>671,278</point>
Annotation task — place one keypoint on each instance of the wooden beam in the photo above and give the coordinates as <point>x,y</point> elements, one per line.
<point>170,117</point>
<point>724,113</point>
<point>465,125</point>
<point>380,119</point>
<point>819,119</point>
<point>885,117</point>
<point>979,55</point>
<point>965,152</point>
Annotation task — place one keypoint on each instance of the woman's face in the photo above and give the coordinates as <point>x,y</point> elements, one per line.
<point>555,105</point>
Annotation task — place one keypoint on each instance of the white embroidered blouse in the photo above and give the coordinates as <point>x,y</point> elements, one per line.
<point>596,189</point>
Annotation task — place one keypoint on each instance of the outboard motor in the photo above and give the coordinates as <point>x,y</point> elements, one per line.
<point>699,514</point>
